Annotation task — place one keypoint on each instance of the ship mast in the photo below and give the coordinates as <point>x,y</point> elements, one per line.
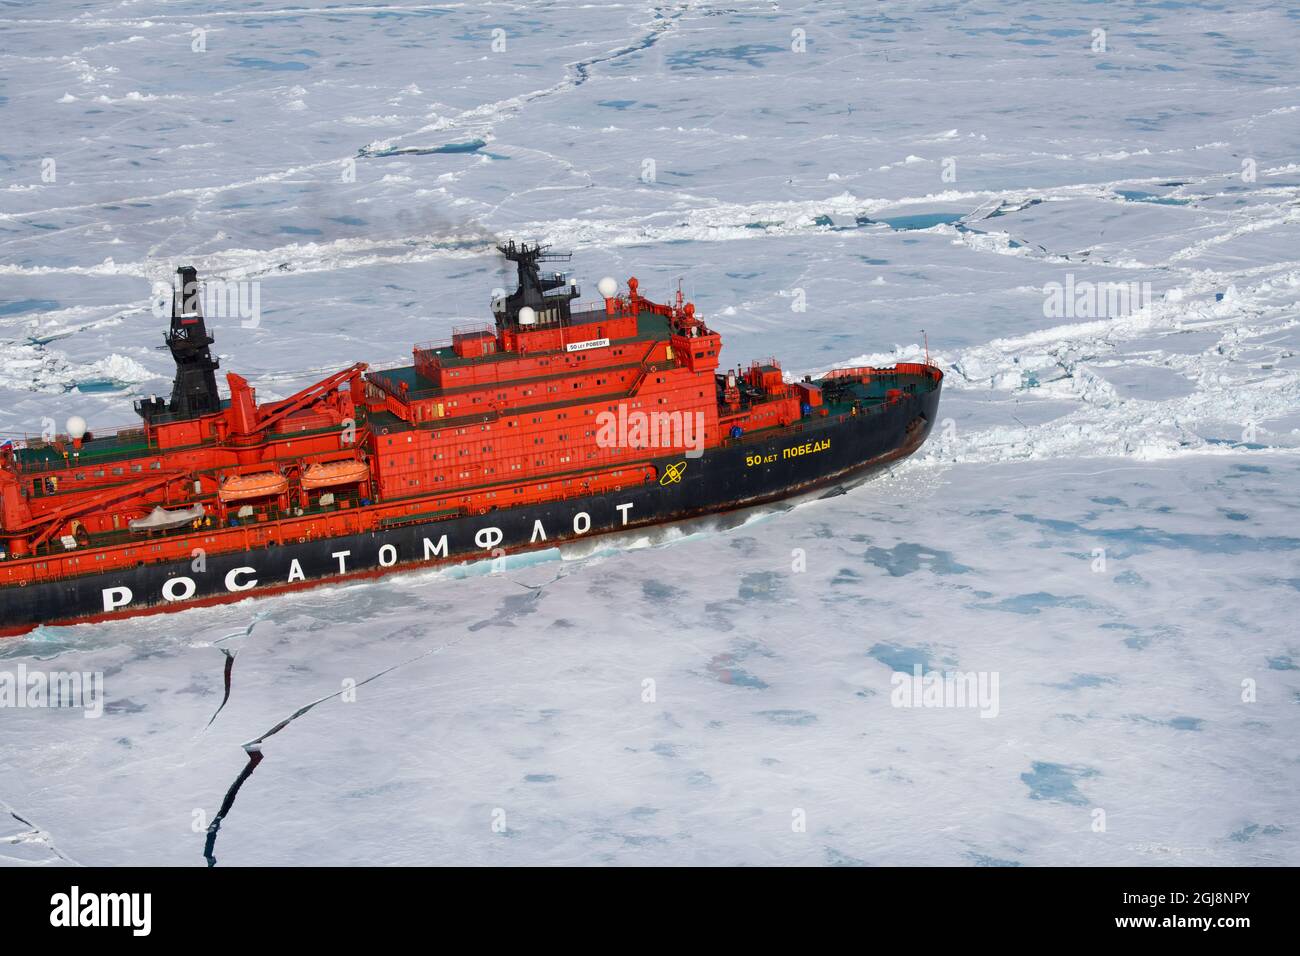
<point>547,295</point>
<point>194,389</point>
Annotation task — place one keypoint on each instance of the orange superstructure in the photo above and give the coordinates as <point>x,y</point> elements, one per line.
<point>547,404</point>
<point>495,415</point>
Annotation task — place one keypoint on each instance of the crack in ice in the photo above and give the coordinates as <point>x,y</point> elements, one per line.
<point>33,835</point>
<point>254,748</point>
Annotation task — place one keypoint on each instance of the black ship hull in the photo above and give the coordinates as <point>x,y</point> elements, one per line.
<point>816,454</point>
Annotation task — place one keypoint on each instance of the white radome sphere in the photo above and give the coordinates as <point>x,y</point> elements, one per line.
<point>76,426</point>
<point>607,287</point>
<point>527,316</point>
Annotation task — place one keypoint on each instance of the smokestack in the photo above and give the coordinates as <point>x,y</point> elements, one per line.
<point>185,292</point>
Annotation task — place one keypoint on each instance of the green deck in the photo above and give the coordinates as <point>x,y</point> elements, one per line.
<point>108,448</point>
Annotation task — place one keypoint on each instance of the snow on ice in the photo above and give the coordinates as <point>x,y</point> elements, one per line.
<point>1106,518</point>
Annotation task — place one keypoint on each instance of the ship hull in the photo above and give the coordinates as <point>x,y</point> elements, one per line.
<point>818,454</point>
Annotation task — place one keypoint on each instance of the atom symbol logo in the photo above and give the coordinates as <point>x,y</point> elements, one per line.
<point>673,474</point>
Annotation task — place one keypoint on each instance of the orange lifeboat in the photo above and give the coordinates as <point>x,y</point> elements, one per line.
<point>331,473</point>
<point>257,485</point>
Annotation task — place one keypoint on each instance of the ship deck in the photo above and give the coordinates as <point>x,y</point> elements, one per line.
<point>44,458</point>
<point>122,445</point>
